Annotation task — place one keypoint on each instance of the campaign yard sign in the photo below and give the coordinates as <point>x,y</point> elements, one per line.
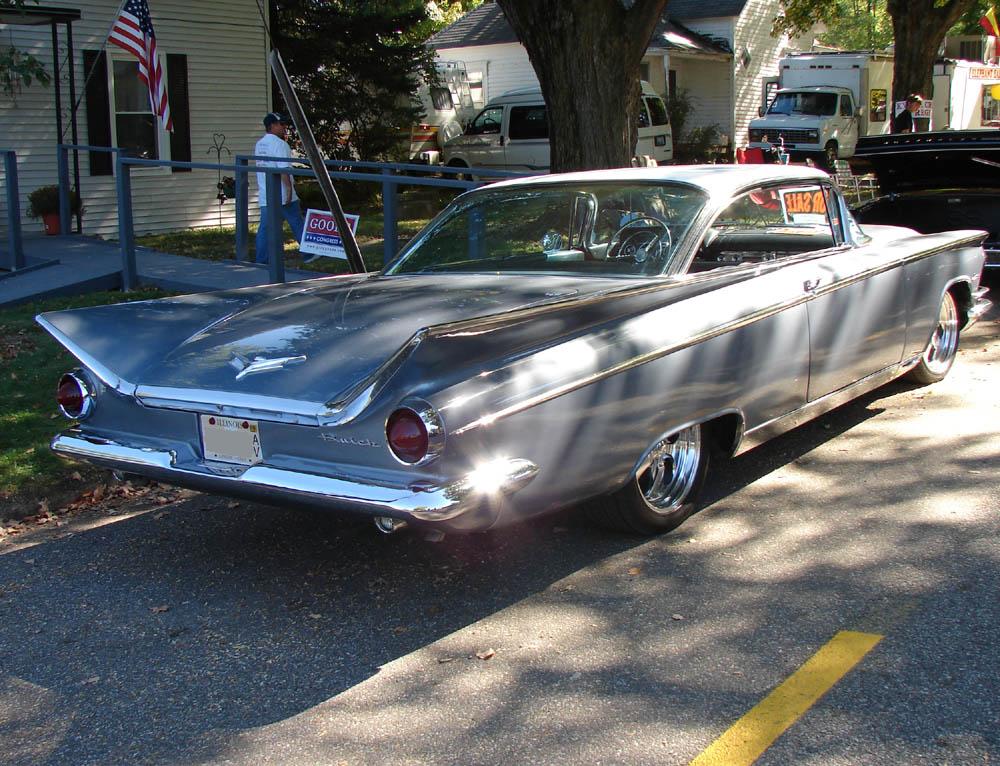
<point>320,235</point>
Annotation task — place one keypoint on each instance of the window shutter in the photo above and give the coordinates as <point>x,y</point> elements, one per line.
<point>95,65</point>
<point>177,96</point>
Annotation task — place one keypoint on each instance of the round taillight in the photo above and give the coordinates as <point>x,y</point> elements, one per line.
<point>74,398</point>
<point>407,435</point>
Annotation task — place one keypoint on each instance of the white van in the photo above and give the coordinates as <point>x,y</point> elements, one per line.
<point>512,133</point>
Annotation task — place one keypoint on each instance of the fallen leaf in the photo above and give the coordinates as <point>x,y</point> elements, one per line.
<point>232,504</point>
<point>98,493</point>
<point>315,616</point>
<point>487,654</point>
<point>677,617</point>
<point>75,476</point>
<point>634,571</point>
<point>159,609</point>
<point>400,630</point>
<point>43,506</point>
<point>90,681</point>
<point>443,660</point>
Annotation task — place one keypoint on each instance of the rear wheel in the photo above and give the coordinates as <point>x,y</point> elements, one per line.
<point>939,354</point>
<point>665,490</point>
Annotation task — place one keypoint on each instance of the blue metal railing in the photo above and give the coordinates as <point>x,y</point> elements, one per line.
<point>15,245</point>
<point>389,175</point>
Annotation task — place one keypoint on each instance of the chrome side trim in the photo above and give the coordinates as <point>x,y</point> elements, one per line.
<point>767,431</point>
<point>104,374</point>
<point>230,404</point>
<point>420,502</point>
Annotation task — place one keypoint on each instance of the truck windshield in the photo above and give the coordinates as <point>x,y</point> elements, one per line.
<point>813,104</point>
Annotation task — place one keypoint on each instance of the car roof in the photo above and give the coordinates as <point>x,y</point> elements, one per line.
<point>714,179</point>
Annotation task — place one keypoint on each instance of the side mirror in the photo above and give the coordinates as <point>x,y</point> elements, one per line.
<point>760,111</point>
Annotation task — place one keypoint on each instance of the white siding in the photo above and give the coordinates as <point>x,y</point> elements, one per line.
<point>228,92</point>
<point>507,66</point>
<point>718,28</point>
<point>709,85</point>
<point>753,35</point>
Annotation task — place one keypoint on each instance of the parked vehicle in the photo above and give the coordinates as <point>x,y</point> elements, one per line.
<point>447,105</point>
<point>512,133</point>
<point>590,338</point>
<point>933,182</point>
<point>825,101</point>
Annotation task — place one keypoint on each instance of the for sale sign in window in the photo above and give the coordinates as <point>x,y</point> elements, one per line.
<point>321,237</point>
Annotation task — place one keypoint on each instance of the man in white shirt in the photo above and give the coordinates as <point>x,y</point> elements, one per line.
<point>273,144</point>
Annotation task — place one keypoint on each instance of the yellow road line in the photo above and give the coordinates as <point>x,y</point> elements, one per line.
<point>745,741</point>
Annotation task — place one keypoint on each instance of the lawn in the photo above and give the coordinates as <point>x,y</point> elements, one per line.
<point>220,243</point>
<point>31,365</point>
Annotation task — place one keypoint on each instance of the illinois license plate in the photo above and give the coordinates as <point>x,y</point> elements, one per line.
<point>230,440</point>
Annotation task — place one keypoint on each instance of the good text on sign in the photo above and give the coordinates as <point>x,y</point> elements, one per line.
<point>320,235</point>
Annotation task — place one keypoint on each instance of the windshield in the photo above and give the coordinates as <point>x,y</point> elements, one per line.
<point>813,104</point>
<point>601,229</point>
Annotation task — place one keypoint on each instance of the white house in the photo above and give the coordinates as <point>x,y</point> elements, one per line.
<point>217,77</point>
<point>719,52</point>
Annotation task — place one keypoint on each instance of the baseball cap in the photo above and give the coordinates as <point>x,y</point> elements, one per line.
<point>272,117</point>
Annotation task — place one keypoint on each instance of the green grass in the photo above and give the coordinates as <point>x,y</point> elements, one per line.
<point>220,244</point>
<point>30,365</point>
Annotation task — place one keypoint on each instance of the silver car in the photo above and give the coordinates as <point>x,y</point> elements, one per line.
<point>583,339</point>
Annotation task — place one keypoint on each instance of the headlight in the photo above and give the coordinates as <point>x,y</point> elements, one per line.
<point>813,135</point>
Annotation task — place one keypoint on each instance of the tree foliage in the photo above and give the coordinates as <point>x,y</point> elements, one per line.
<point>918,28</point>
<point>355,65</point>
<point>586,57</point>
<point>857,25</point>
<point>19,68</point>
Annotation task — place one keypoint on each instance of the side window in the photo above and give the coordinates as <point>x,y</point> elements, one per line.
<point>441,98</point>
<point>845,106</point>
<point>768,224</point>
<point>643,114</point>
<point>657,110</point>
<point>486,122</point>
<point>528,122</point>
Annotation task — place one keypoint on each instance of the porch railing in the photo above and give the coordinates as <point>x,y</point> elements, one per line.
<point>15,245</point>
<point>391,176</point>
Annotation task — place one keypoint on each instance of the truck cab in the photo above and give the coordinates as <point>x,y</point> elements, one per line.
<point>821,122</point>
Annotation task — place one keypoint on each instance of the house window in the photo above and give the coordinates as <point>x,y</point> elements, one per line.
<point>136,128</point>
<point>971,50</point>
<point>119,115</point>
<point>644,71</point>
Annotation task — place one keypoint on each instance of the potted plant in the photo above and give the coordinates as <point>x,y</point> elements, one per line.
<point>43,203</point>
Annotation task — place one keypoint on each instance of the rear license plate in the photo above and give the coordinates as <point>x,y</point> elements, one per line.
<point>230,440</point>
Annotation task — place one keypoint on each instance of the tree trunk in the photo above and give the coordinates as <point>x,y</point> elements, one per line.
<point>586,56</point>
<point>918,27</point>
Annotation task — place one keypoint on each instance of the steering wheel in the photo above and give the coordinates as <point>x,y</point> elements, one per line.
<point>641,239</point>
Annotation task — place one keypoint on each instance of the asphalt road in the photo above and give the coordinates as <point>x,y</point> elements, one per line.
<point>211,633</point>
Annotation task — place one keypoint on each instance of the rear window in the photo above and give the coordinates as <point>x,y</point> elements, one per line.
<point>528,122</point>
<point>657,110</point>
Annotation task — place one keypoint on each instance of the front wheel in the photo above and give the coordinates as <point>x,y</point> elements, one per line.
<point>664,491</point>
<point>939,354</point>
<point>830,154</point>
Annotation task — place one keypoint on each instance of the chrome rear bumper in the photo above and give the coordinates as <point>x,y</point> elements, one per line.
<point>468,503</point>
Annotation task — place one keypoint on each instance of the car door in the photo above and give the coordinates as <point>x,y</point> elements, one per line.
<point>527,138</point>
<point>857,308</point>
<point>848,126</point>
<point>482,142</point>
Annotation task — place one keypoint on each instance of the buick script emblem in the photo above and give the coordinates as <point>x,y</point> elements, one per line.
<point>246,367</point>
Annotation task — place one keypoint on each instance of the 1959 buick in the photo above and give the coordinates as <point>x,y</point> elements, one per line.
<point>587,338</point>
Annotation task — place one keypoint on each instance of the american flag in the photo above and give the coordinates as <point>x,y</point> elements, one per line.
<point>133,32</point>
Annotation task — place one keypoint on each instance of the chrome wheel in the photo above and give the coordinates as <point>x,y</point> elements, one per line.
<point>940,351</point>
<point>673,467</point>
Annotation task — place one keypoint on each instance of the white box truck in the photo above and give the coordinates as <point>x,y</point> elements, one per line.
<point>824,102</point>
